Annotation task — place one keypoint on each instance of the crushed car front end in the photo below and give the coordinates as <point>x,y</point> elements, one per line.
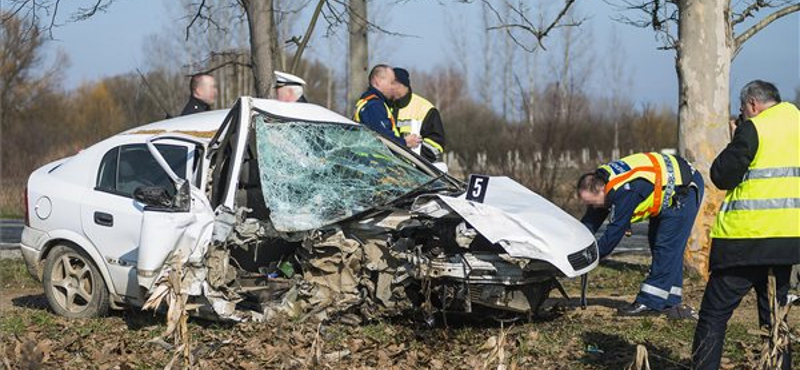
<point>315,215</point>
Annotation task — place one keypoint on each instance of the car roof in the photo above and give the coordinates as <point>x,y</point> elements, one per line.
<point>299,111</point>
<point>206,124</point>
<point>203,125</point>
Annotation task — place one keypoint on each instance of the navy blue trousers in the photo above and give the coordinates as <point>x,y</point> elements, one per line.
<point>668,234</point>
<point>724,292</point>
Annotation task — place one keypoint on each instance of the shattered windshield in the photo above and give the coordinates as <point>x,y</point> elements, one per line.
<point>314,174</point>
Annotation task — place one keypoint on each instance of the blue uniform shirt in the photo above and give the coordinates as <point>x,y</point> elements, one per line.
<point>623,203</point>
<point>375,116</point>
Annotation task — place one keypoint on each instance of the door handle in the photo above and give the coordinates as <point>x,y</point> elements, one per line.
<point>103,219</point>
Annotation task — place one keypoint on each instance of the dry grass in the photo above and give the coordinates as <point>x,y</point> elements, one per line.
<point>12,198</point>
<point>568,338</point>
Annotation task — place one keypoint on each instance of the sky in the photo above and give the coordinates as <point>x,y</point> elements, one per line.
<point>116,42</point>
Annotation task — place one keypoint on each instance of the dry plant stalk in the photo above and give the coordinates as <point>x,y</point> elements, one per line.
<point>169,289</point>
<point>641,361</point>
<point>496,348</point>
<point>776,344</point>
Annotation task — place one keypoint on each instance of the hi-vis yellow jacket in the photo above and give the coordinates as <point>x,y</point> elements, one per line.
<point>766,203</point>
<point>410,119</point>
<point>661,170</point>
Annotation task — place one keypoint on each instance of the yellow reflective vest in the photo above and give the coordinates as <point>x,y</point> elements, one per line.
<point>363,102</point>
<point>766,204</point>
<point>410,118</point>
<point>661,170</point>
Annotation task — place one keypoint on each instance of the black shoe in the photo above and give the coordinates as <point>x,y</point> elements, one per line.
<point>636,309</point>
<point>682,312</point>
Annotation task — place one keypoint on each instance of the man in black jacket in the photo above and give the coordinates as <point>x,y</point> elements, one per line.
<point>417,117</point>
<point>203,90</point>
<point>757,230</point>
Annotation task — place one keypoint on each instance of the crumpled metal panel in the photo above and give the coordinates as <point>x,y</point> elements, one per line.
<point>315,174</point>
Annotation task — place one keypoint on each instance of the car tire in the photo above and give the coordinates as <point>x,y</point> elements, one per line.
<point>73,285</point>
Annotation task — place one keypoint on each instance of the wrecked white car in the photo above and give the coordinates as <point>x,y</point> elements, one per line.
<point>288,208</point>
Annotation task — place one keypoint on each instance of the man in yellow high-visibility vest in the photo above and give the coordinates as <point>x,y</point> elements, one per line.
<point>372,109</point>
<point>416,116</point>
<point>757,229</point>
<point>662,188</point>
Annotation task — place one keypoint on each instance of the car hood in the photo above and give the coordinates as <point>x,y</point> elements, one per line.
<point>525,224</point>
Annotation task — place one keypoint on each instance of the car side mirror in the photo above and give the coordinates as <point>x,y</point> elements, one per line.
<point>156,198</point>
<point>153,196</point>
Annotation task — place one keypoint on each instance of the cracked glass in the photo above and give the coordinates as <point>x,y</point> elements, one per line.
<point>314,174</point>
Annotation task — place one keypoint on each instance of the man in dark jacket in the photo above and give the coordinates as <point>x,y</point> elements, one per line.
<point>203,90</point>
<point>757,230</point>
<point>372,109</point>
<point>415,115</point>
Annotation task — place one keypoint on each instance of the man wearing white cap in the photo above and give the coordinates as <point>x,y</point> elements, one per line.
<point>289,88</point>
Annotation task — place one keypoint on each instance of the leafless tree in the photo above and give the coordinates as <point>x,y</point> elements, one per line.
<point>706,36</point>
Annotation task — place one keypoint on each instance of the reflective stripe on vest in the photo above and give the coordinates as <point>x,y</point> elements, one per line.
<point>766,204</point>
<point>432,145</point>
<point>363,102</point>
<point>661,170</point>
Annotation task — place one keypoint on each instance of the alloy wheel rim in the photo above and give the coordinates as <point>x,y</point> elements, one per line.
<point>73,283</point>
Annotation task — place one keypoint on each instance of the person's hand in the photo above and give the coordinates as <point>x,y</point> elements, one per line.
<point>732,125</point>
<point>413,140</point>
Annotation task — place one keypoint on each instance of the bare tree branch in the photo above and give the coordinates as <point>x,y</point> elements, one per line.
<point>34,10</point>
<point>748,12</point>
<point>203,16</point>
<point>53,19</point>
<point>660,15</point>
<point>371,24</point>
<point>538,32</point>
<point>233,60</point>
<point>746,35</point>
<point>197,16</point>
<point>302,46</point>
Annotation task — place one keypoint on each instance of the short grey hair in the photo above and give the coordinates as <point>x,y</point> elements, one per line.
<point>760,91</point>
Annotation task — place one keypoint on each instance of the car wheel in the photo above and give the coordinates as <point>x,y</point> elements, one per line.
<point>73,284</point>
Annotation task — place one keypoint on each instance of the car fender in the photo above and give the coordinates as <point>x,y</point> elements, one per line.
<point>81,242</point>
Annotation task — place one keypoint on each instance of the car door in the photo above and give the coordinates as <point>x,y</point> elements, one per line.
<point>180,223</point>
<point>112,218</point>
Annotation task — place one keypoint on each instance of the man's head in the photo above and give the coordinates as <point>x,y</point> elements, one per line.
<point>382,78</point>
<point>289,93</point>
<point>203,87</point>
<point>288,87</point>
<point>591,190</point>
<point>403,82</point>
<point>757,96</point>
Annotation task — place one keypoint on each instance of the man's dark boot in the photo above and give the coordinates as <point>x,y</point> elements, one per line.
<point>636,309</point>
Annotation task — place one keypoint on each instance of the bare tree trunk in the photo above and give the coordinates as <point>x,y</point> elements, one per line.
<point>703,65</point>
<point>263,34</point>
<point>487,79</point>
<point>358,60</point>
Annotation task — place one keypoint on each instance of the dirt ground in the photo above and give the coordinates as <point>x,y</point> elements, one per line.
<point>566,337</point>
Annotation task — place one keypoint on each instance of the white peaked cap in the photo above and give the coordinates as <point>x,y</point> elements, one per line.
<point>283,79</point>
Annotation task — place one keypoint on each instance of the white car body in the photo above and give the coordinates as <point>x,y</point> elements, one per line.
<point>69,204</point>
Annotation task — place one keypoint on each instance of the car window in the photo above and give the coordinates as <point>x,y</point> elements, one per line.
<point>125,168</point>
<point>107,175</point>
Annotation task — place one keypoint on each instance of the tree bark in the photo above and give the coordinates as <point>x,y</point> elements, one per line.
<point>358,59</point>
<point>263,33</point>
<point>703,64</point>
